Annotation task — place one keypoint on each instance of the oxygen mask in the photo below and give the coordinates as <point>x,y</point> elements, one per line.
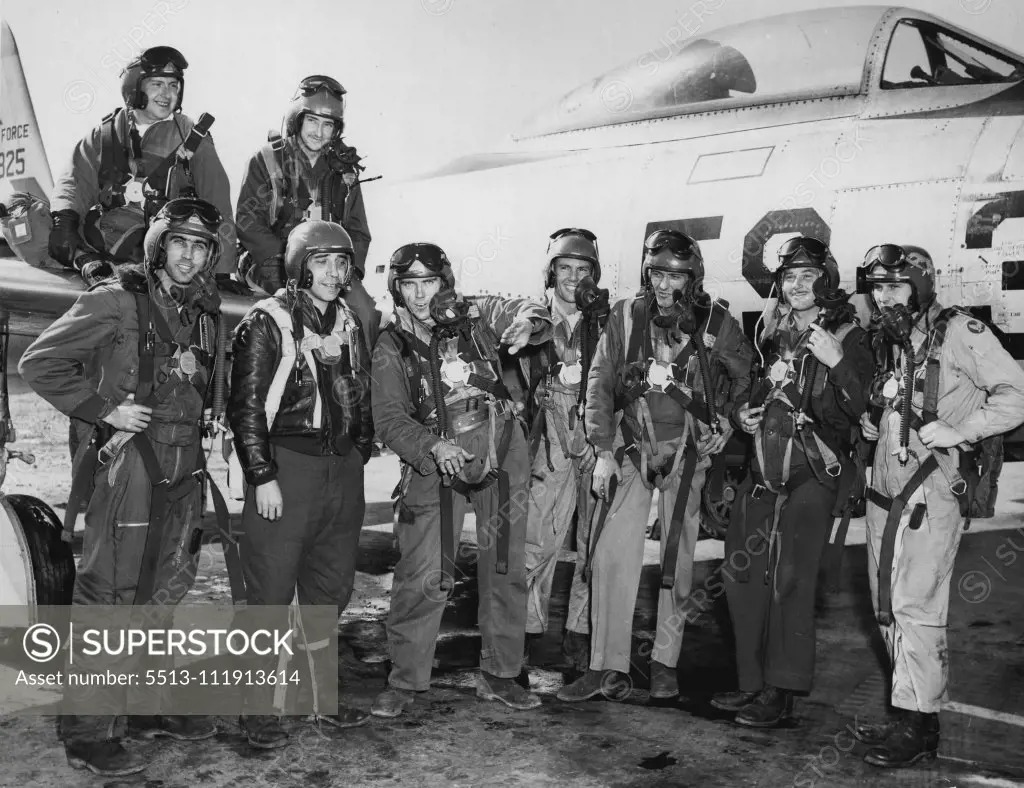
<point>896,322</point>
<point>592,300</point>
<point>449,313</point>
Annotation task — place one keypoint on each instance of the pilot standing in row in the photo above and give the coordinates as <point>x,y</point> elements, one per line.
<point>303,429</point>
<point>125,169</point>
<point>803,415</point>
<point>440,404</point>
<point>306,172</point>
<point>653,364</point>
<point>560,482</point>
<point>965,388</point>
<point>144,403</point>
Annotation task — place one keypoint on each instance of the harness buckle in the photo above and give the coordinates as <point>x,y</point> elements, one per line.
<point>758,491</point>
<point>834,470</point>
<point>958,488</point>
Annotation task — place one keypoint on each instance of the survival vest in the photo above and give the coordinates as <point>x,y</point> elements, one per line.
<point>122,179</point>
<point>294,197</point>
<point>340,337</point>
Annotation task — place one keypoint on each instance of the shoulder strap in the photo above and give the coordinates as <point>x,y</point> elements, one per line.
<point>412,367</point>
<point>635,316</point>
<point>147,362</point>
<point>280,315</point>
<point>113,156</point>
<point>273,155</point>
<point>929,411</point>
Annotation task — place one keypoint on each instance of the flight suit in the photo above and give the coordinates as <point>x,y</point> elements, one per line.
<point>85,364</point>
<point>558,487</point>
<point>79,189</point>
<point>263,226</point>
<point>617,556</point>
<point>408,426</point>
<point>775,539</point>
<point>980,394</point>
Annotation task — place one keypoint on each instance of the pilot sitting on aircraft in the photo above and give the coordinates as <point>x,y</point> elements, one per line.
<point>308,173</point>
<point>125,169</point>
<point>654,363</point>
<point>964,388</point>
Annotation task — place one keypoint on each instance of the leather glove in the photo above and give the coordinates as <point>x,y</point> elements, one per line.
<point>64,238</point>
<point>94,269</point>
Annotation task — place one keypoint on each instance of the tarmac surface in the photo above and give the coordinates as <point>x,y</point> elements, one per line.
<point>452,739</point>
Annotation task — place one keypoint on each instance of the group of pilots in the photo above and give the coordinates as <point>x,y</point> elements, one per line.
<point>609,403</point>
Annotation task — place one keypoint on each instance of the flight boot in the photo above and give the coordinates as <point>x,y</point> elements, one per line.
<point>178,727</point>
<point>263,731</point>
<point>770,709</point>
<point>507,691</point>
<point>612,684</point>
<point>105,758</point>
<point>915,738</point>
<point>664,681</point>
<point>733,701</point>
<point>392,702</point>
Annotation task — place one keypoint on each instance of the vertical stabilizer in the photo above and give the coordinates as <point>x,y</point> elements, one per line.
<point>23,163</point>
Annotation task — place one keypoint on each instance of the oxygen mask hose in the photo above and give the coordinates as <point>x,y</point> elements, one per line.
<point>908,400</point>
<point>220,374</point>
<point>897,324</point>
<point>435,383</point>
<point>593,304</point>
<point>709,394</point>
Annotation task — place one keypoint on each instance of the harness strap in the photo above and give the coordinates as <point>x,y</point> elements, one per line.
<point>228,541</point>
<point>602,518</point>
<point>895,507</point>
<point>677,525</point>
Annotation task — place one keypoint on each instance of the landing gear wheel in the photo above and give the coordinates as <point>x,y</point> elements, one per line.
<point>52,562</point>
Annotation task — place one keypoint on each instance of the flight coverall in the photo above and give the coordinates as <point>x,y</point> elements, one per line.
<point>980,394</point>
<point>311,431</point>
<point>79,189</point>
<point>775,539</point>
<point>617,555</point>
<point>263,223</point>
<point>85,364</point>
<point>406,422</point>
<point>558,487</point>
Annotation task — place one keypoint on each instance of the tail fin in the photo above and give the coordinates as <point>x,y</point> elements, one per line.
<point>23,163</point>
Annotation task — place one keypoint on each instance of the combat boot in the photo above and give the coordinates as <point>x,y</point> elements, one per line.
<point>350,665</point>
<point>178,727</point>
<point>664,681</point>
<point>508,691</point>
<point>576,650</point>
<point>916,738</point>
<point>392,702</point>
<point>612,684</point>
<point>733,701</point>
<point>877,732</point>
<point>770,709</point>
<point>347,717</point>
<point>105,758</point>
<point>263,731</point>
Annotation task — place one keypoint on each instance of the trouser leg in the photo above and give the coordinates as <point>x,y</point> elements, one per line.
<point>672,602</point>
<point>551,506</point>
<point>328,566</point>
<point>502,605</point>
<point>117,528</point>
<point>417,601</point>
<point>616,568</point>
<point>743,571</point>
<point>804,525</point>
<point>578,617</point>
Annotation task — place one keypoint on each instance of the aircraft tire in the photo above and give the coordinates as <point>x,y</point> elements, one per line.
<point>53,561</point>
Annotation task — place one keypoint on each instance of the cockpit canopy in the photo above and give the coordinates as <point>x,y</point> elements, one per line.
<point>804,55</point>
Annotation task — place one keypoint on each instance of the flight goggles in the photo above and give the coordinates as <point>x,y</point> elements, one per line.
<point>157,59</point>
<point>312,85</point>
<point>679,244</point>
<point>813,249</point>
<point>184,208</point>
<point>892,258</point>
<point>573,231</point>
<point>432,256</point>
